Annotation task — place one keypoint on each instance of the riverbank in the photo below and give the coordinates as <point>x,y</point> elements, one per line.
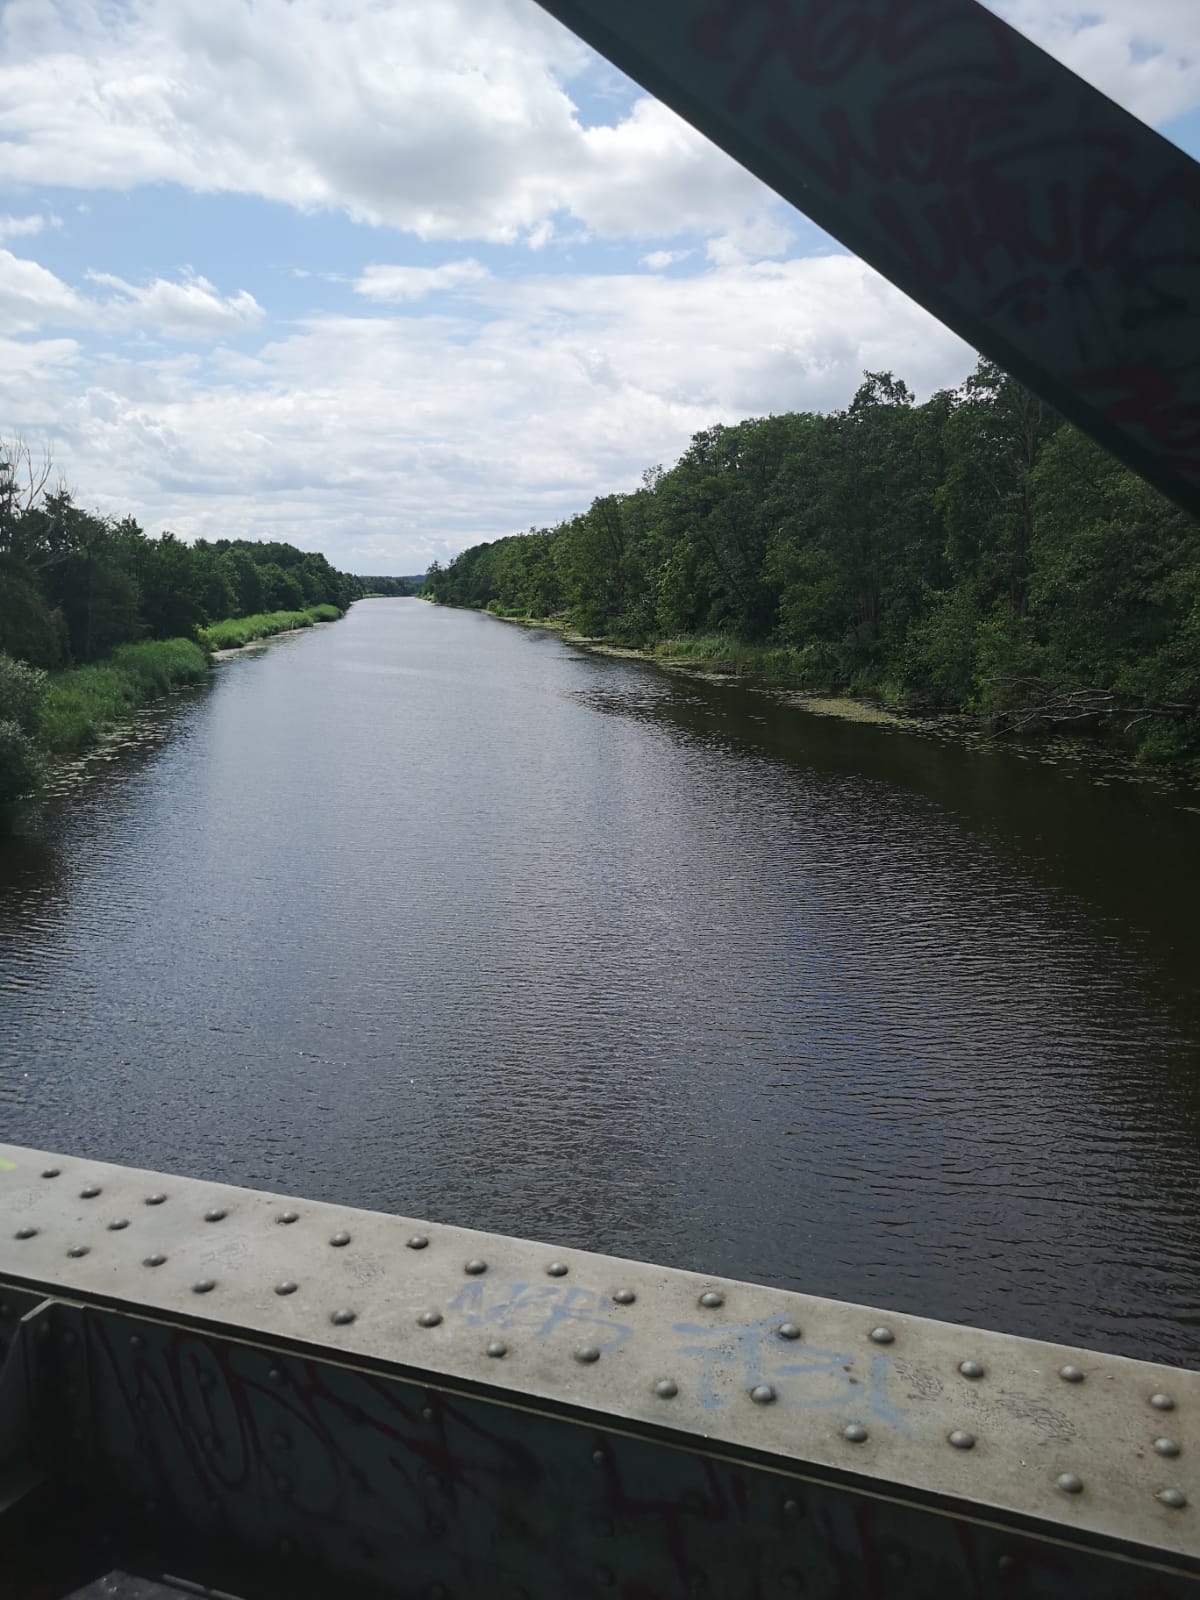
<point>235,632</point>
<point>48,717</point>
<point>81,703</point>
<point>764,669</point>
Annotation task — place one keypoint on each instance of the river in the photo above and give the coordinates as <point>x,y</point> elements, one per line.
<point>421,912</point>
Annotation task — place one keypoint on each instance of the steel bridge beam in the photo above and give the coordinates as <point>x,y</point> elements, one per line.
<point>275,1395</point>
<point>1056,233</point>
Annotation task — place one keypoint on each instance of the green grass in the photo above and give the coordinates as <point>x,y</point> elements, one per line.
<point>83,701</point>
<point>234,632</point>
<point>721,652</point>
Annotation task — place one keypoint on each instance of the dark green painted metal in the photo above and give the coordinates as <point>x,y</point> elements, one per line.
<point>1052,230</point>
<point>265,1471</point>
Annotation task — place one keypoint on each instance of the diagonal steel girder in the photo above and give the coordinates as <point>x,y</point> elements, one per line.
<point>1029,213</point>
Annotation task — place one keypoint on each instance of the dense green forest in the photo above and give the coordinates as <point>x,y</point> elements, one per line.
<point>391,588</point>
<point>974,554</point>
<point>74,585</point>
<point>96,617</point>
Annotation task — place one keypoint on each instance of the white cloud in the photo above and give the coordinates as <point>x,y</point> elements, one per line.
<point>190,309</point>
<point>414,283</point>
<point>449,120</point>
<point>33,298</point>
<point>389,439</point>
<point>1145,55</point>
<point>26,227</point>
<point>660,260</point>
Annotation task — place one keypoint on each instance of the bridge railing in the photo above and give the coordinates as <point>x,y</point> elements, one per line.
<point>275,1395</point>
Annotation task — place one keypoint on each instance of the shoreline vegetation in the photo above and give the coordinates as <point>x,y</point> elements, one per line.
<point>98,619</point>
<point>61,714</point>
<point>974,560</point>
<point>235,632</point>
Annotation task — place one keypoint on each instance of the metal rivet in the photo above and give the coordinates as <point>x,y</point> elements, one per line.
<point>711,1299</point>
<point>78,1250</point>
<point>855,1432</point>
<point>666,1388</point>
<point>117,1224</point>
<point>430,1415</point>
<point>1070,1374</point>
<point>418,1242</point>
<point>155,1199</point>
<point>204,1285</point>
<point>624,1297</point>
<point>788,1330</point>
<point>599,1458</point>
<point>156,1260</point>
<point>497,1348</point>
<point>288,1286</point>
<point>474,1267</point>
<point>1069,1483</point>
<point>557,1269</point>
<point>429,1319</point>
<point>1166,1447</point>
<point>89,1191</point>
<point>882,1336</point>
<point>51,1172</point>
<point>26,1233</point>
<point>792,1510</point>
<point>762,1394</point>
<point>215,1214</point>
<point>340,1238</point>
<point>961,1439</point>
<point>587,1353</point>
<point>1162,1402</point>
<point>136,1342</point>
<point>277,1375</point>
<point>1175,1498</point>
<point>971,1369</point>
<point>343,1319</point>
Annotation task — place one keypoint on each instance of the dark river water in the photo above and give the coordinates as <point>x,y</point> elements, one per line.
<point>426,913</point>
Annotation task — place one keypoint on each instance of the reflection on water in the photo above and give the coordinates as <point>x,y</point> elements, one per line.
<point>429,914</point>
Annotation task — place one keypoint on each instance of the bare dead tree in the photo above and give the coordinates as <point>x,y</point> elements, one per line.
<point>1056,705</point>
<point>23,477</point>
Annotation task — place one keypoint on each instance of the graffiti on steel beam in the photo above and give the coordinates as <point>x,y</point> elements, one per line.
<point>375,1478</point>
<point>1043,223</point>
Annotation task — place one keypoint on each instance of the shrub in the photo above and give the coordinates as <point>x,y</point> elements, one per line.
<point>234,632</point>
<point>20,765</point>
<point>22,690</point>
<point>81,703</point>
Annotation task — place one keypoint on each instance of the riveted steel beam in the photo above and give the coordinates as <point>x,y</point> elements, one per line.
<point>384,1399</point>
<point>1053,231</point>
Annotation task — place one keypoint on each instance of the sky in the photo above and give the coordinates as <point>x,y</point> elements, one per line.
<point>385,278</point>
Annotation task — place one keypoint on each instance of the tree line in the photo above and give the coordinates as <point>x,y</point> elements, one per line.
<point>973,554</point>
<point>74,586</point>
